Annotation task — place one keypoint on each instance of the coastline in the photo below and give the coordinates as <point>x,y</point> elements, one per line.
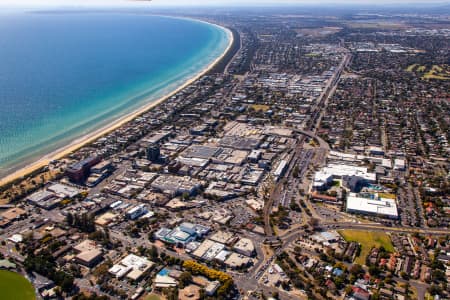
<point>96,134</point>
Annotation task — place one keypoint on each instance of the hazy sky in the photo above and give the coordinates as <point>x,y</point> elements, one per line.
<point>207,2</point>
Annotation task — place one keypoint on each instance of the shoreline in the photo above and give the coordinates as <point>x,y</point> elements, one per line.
<point>96,134</point>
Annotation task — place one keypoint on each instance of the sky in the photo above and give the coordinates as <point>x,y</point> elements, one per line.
<point>204,2</point>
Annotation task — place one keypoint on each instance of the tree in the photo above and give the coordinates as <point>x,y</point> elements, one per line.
<point>67,284</point>
<point>153,252</point>
<point>438,275</point>
<point>69,219</point>
<point>93,296</point>
<point>185,279</point>
<point>356,269</point>
<point>85,222</point>
<point>348,289</point>
<point>404,275</point>
<point>295,172</point>
<point>435,290</point>
<point>374,270</point>
<point>313,222</point>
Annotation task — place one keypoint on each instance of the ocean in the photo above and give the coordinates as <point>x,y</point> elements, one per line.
<point>65,74</point>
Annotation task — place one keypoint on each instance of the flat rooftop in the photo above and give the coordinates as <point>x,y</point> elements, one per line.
<point>378,206</point>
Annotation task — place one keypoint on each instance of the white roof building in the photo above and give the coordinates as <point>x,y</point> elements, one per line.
<point>331,171</point>
<point>386,162</point>
<point>236,260</point>
<point>16,238</point>
<point>399,164</point>
<point>132,265</point>
<point>377,206</point>
<point>62,190</point>
<point>164,281</point>
<point>244,246</point>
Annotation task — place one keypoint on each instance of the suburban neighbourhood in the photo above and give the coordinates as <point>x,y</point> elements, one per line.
<point>312,162</point>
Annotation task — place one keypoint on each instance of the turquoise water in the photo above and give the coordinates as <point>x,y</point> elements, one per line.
<point>64,74</point>
<point>164,272</point>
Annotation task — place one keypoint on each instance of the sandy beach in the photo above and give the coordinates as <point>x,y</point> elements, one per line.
<point>80,142</point>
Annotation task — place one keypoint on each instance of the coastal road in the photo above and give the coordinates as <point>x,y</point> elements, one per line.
<point>235,54</point>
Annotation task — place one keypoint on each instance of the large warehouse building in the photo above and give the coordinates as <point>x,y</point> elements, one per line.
<point>375,205</point>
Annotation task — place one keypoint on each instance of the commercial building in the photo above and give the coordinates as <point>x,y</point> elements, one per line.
<point>244,246</point>
<point>176,185</point>
<point>89,254</point>
<point>99,172</point>
<point>153,152</point>
<point>212,287</point>
<point>202,152</point>
<point>251,176</point>
<point>63,191</point>
<point>79,171</point>
<point>132,266</point>
<point>136,212</point>
<point>50,197</point>
<point>223,237</point>
<point>14,213</point>
<point>372,204</point>
<point>208,250</point>
<point>105,219</point>
<point>236,261</point>
<point>399,164</point>
<point>43,199</point>
<point>280,169</point>
<point>255,204</point>
<point>182,235</point>
<point>374,150</point>
<point>325,176</point>
<point>326,237</point>
<point>164,281</point>
<point>102,167</point>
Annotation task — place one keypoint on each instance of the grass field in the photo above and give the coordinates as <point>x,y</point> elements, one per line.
<point>368,240</point>
<point>15,286</point>
<point>438,72</point>
<point>152,297</point>
<point>387,195</point>
<point>421,69</point>
<point>411,68</point>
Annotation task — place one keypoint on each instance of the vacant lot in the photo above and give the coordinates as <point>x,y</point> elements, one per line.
<point>15,286</point>
<point>368,240</point>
